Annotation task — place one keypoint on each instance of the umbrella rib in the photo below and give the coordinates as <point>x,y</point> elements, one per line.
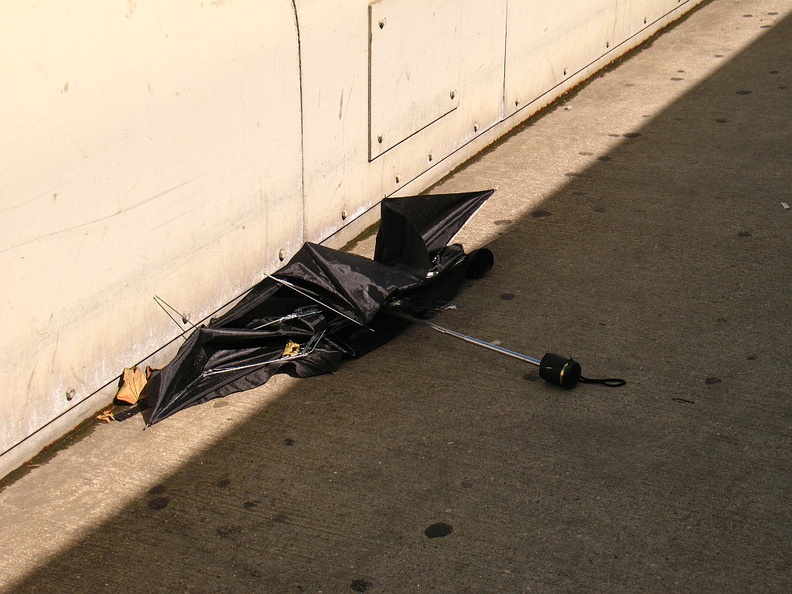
<point>291,316</point>
<point>219,370</point>
<point>310,348</point>
<point>312,298</point>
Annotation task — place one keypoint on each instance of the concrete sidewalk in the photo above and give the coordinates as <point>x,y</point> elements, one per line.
<point>639,226</point>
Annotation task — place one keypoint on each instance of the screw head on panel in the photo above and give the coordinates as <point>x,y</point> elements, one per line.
<point>452,94</point>
<point>382,22</point>
<point>344,215</point>
<point>70,394</point>
<point>281,254</point>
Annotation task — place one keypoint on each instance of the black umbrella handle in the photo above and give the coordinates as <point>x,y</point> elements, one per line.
<point>566,372</point>
<point>559,370</point>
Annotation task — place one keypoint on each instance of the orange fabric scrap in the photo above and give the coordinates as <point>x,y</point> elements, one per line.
<point>133,381</point>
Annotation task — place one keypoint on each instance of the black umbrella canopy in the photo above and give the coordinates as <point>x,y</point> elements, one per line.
<point>325,305</point>
<point>412,230</point>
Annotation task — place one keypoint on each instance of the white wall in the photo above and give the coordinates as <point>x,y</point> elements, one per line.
<point>148,148</point>
<point>179,148</point>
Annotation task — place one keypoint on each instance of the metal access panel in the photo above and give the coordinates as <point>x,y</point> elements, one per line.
<point>414,60</point>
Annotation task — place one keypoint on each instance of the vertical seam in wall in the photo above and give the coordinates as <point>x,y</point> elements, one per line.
<point>368,49</point>
<point>505,49</point>
<point>303,230</point>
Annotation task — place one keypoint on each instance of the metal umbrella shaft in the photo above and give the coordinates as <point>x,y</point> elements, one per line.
<point>466,338</point>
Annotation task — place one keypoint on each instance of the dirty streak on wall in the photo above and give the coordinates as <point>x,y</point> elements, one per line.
<point>180,149</point>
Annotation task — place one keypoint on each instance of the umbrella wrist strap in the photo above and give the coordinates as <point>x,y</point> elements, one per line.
<point>611,382</point>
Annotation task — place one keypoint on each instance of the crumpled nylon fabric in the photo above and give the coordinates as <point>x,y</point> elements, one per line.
<point>244,347</point>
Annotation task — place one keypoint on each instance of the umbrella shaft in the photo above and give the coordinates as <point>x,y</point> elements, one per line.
<point>466,338</point>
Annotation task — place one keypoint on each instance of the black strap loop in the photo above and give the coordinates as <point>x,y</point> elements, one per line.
<point>611,382</point>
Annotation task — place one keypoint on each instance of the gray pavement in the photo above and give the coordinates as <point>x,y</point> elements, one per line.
<point>639,226</point>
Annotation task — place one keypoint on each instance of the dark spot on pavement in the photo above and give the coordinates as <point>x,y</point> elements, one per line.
<point>604,158</point>
<point>632,135</point>
<point>530,377</point>
<point>711,380</point>
<point>359,585</point>
<point>228,531</point>
<point>223,482</point>
<point>683,401</point>
<point>538,214</point>
<point>774,72</point>
<point>251,504</point>
<point>743,92</point>
<point>438,530</point>
<point>747,16</point>
<point>599,209</point>
<point>159,503</point>
<point>288,441</point>
<point>676,78</point>
<point>501,222</point>
<point>507,296</point>
<point>752,357</point>
<point>467,485</point>
<point>586,153</point>
<point>722,120</point>
<point>157,490</point>
<point>744,234</point>
<point>280,518</point>
<point>723,319</point>
<point>615,135</point>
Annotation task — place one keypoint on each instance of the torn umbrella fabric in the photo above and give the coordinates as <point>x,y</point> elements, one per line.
<point>326,305</point>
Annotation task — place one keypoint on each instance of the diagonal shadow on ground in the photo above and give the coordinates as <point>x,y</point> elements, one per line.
<point>666,262</point>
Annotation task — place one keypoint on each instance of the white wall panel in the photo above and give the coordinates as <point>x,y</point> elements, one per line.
<point>414,52</point>
<point>548,42</point>
<point>550,46</point>
<point>340,180</point>
<point>146,151</point>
